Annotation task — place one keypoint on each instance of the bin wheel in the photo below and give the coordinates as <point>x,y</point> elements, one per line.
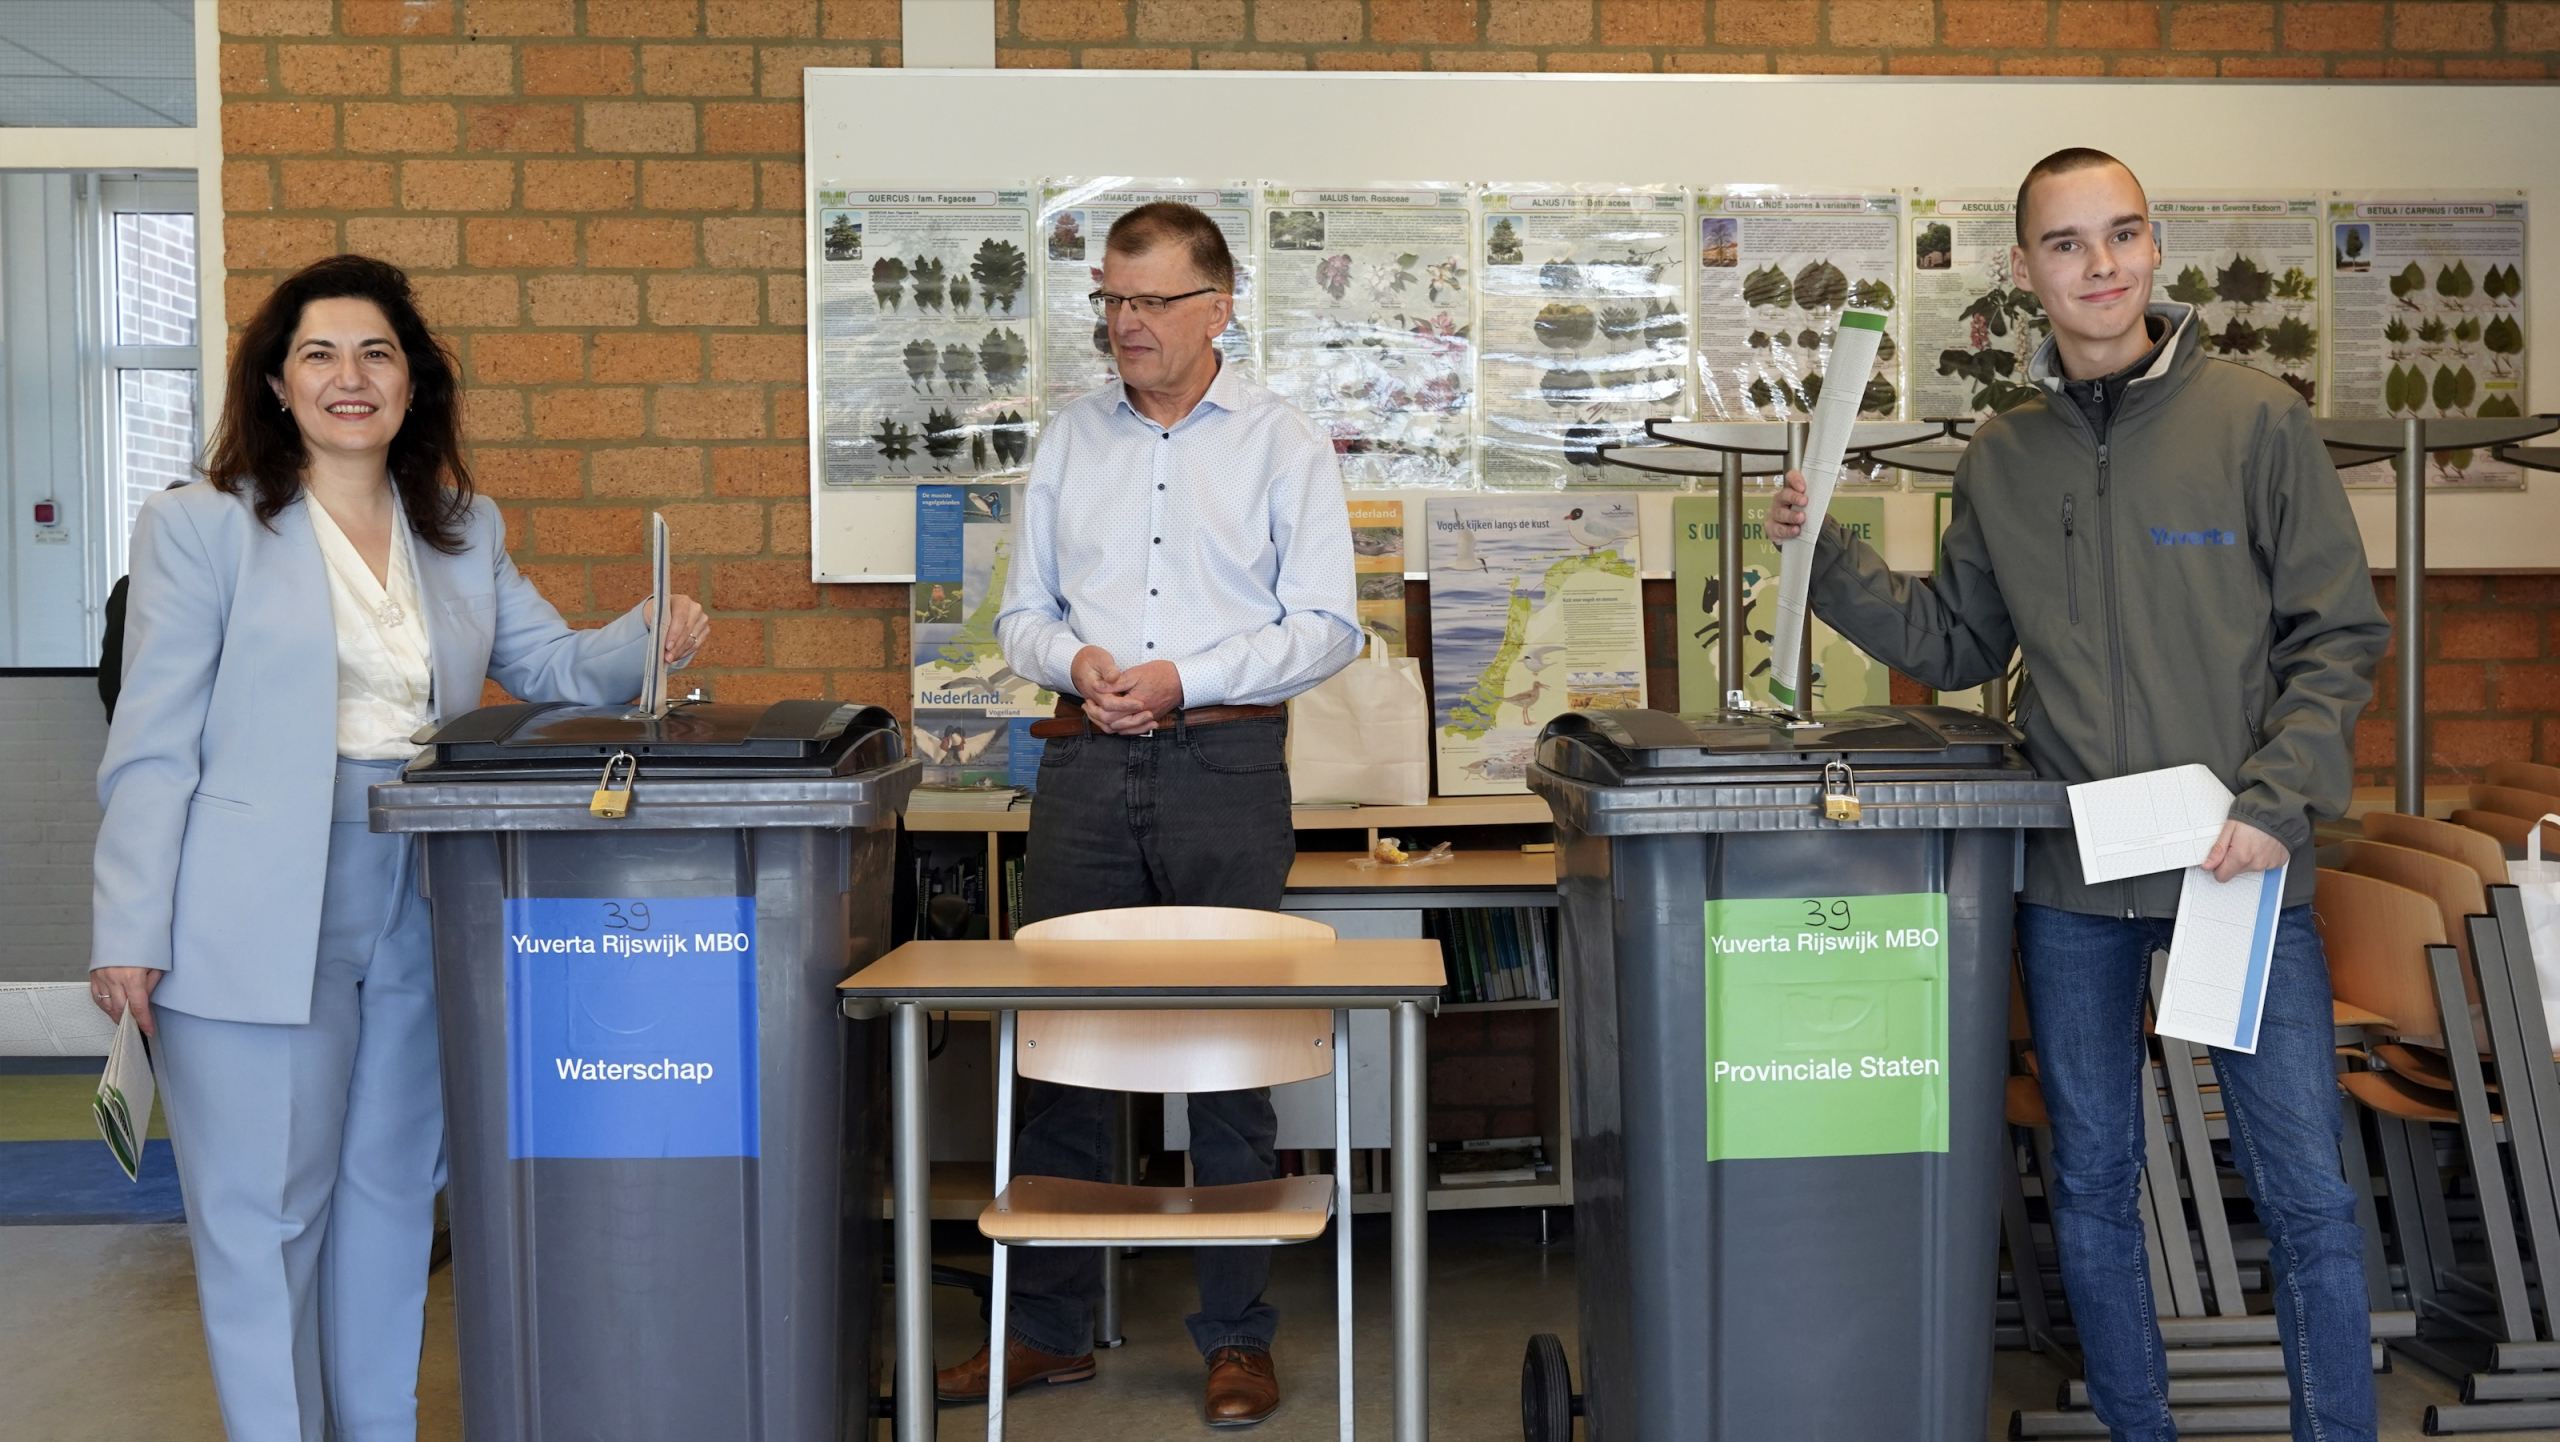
<point>1547,1403</point>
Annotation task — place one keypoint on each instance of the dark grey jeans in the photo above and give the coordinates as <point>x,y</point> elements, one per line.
<point>1190,816</point>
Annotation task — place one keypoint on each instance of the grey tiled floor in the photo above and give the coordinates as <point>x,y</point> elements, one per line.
<point>99,1343</point>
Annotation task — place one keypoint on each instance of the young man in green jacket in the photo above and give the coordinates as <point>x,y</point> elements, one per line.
<point>2163,536</point>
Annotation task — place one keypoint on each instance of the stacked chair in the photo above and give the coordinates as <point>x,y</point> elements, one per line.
<point>2454,1068</point>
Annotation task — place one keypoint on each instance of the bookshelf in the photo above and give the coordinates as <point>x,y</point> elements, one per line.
<point>1381,902</point>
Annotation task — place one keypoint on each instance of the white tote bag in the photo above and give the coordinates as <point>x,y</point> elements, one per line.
<point>2539,880</point>
<point>1364,735</point>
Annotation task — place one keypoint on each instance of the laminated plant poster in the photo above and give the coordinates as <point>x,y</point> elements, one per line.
<point>1970,327</point>
<point>1075,218</point>
<point>1843,676</point>
<point>2427,318</point>
<point>1367,326</point>
<point>1582,324</point>
<point>2250,265</point>
<point>1535,609</point>
<point>924,333</point>
<point>1775,269</point>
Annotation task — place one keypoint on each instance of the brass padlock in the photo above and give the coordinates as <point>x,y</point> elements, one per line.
<point>1840,793</point>
<point>613,789</point>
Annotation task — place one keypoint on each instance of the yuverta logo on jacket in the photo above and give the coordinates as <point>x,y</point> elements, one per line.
<point>2162,536</point>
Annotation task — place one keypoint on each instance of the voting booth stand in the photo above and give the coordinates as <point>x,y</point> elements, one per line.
<point>664,1139</point>
<point>1790,938</point>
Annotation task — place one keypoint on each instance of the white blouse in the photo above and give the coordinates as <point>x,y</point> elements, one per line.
<point>385,689</point>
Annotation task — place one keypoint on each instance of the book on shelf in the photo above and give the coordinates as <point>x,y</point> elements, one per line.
<point>1495,953</point>
<point>1492,1162</point>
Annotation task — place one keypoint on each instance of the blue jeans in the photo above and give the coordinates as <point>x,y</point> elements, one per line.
<point>1189,816</point>
<point>2087,978</point>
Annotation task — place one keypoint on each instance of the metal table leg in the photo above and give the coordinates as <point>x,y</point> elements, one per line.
<point>1412,1259</point>
<point>911,1205</point>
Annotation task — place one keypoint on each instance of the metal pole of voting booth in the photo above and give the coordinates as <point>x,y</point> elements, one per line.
<point>2355,442</point>
<point>2408,595</point>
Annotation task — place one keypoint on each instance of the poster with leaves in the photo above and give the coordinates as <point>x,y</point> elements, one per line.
<point>2251,268</point>
<point>924,333</point>
<point>1971,327</point>
<point>1076,216</point>
<point>1377,565</point>
<point>1775,269</point>
<point>2427,308</point>
<point>1368,327</point>
<point>1582,309</point>
<point>1843,676</point>
<point>1536,609</point>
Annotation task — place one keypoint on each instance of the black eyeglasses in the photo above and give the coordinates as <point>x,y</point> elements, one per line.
<point>1104,302</point>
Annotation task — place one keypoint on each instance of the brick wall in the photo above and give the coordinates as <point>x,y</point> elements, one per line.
<point>2406,39</point>
<point>2493,679</point>
<point>601,205</point>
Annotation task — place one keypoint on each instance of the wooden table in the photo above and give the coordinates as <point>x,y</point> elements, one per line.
<point>1327,881</point>
<point>1401,977</point>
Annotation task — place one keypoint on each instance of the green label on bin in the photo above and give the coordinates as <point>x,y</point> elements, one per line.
<point>1827,1026</point>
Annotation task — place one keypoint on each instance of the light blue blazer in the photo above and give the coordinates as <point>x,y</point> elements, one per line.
<point>222,761</point>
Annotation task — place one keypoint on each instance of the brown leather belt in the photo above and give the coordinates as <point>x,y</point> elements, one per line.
<point>1071,720</point>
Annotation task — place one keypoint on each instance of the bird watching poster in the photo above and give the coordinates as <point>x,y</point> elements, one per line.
<point>1843,676</point>
<point>1377,564</point>
<point>971,709</point>
<point>1536,608</point>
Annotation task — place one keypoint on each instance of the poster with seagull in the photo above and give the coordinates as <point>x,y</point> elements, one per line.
<point>1536,608</point>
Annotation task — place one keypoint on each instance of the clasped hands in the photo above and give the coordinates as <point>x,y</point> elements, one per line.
<point>1125,703</point>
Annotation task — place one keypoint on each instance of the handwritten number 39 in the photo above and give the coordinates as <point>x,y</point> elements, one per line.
<point>1827,915</point>
<point>632,916</point>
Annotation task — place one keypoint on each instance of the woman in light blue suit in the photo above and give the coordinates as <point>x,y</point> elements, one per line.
<point>331,588</point>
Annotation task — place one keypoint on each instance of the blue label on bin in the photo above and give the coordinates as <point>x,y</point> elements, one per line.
<point>631,1026</point>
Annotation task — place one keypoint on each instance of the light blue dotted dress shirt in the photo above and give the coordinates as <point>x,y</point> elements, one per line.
<point>1222,545</point>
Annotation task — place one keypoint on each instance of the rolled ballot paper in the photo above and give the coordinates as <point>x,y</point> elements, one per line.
<point>1835,415</point>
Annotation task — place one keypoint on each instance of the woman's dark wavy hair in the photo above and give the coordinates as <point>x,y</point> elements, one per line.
<point>258,445</point>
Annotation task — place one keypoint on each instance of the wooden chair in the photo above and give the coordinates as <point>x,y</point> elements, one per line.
<point>2525,776</point>
<point>1158,1051</point>
<point>2514,801</point>
<point>2424,833</point>
<point>2506,829</point>
<point>2457,893</point>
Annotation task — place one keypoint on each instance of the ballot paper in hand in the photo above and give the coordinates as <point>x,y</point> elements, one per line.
<point>2216,987</point>
<point>125,1093</point>
<point>2153,821</point>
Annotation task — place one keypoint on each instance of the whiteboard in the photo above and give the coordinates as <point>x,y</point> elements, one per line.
<point>1799,131</point>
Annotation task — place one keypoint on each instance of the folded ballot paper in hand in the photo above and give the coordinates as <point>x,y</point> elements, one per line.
<point>2216,986</point>
<point>2151,821</point>
<point>125,1093</point>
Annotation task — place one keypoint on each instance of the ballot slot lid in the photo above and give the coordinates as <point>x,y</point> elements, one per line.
<point>560,740</point>
<point>1639,747</point>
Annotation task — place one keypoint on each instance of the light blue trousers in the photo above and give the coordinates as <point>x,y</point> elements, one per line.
<point>311,1156</point>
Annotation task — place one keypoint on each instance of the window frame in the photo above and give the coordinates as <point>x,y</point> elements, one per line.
<point>106,195</point>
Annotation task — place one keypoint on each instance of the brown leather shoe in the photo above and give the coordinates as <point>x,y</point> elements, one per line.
<point>1243,1388</point>
<point>1023,1367</point>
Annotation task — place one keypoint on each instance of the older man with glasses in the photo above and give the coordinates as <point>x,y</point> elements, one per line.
<point>1183,567</point>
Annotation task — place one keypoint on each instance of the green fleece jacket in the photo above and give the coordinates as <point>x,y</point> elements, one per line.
<point>2187,587</point>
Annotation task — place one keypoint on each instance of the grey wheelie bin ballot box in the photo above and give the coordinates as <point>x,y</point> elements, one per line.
<point>664,1140</point>
<point>1789,953</point>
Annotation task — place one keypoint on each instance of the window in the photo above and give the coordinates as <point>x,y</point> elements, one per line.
<point>100,390</point>
<point>152,359</point>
